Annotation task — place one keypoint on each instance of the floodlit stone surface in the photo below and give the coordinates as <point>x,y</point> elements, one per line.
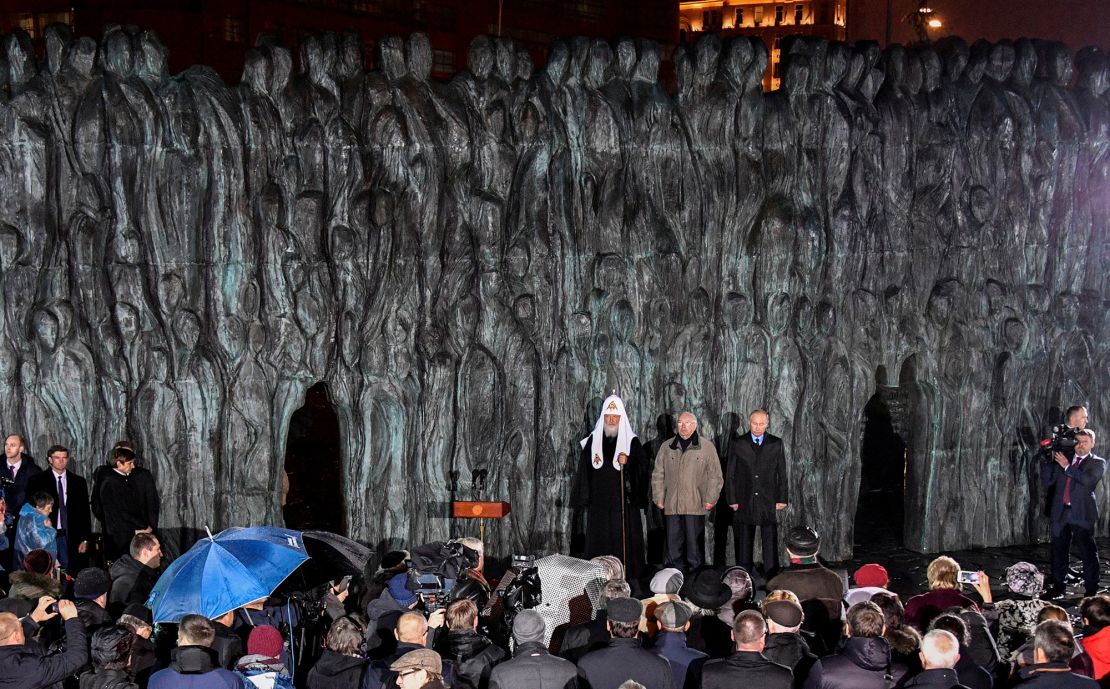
<point>472,266</point>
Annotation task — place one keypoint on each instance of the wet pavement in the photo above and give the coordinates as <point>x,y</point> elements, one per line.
<point>879,542</point>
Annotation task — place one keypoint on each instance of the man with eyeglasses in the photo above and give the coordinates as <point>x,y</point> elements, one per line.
<point>419,669</point>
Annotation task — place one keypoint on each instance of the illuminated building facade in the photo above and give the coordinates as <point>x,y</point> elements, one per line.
<point>771,20</point>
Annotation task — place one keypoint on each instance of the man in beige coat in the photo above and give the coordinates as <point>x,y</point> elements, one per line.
<point>685,484</point>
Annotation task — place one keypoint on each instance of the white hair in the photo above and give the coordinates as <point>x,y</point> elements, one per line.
<point>474,544</point>
<point>941,649</point>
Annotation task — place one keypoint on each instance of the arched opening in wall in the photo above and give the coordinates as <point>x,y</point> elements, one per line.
<point>314,465</point>
<point>881,506</point>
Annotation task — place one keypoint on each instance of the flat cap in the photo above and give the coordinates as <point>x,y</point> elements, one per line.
<point>420,659</point>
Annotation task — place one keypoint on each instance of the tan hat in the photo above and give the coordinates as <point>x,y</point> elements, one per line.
<point>420,659</point>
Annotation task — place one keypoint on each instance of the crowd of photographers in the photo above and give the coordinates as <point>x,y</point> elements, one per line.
<point>428,618</point>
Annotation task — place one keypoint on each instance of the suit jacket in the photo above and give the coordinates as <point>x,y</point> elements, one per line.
<point>755,477</point>
<point>79,522</point>
<point>16,495</point>
<point>1084,479</point>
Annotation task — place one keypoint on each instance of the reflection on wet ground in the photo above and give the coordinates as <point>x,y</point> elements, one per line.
<point>879,540</point>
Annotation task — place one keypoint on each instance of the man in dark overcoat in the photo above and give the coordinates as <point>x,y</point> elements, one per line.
<point>756,490</point>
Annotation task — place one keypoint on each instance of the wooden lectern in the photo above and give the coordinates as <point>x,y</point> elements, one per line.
<point>466,509</point>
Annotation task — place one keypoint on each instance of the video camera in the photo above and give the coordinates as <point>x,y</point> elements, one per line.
<point>431,590</point>
<point>1062,440</point>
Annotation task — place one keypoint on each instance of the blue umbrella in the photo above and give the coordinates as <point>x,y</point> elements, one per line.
<point>226,571</point>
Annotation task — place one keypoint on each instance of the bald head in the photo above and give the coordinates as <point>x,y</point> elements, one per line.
<point>939,649</point>
<point>411,628</point>
<point>11,631</point>
<point>13,447</point>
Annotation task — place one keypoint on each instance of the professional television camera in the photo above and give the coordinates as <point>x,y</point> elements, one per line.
<point>1062,440</point>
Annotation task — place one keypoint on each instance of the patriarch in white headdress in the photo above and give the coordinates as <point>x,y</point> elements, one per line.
<point>612,422</point>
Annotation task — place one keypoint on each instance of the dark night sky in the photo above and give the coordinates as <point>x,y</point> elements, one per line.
<point>1075,22</point>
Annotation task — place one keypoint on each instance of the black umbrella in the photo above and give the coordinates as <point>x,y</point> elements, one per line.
<point>331,557</point>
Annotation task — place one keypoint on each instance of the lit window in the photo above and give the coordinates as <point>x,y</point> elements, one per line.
<point>47,18</point>
<point>780,14</point>
<point>233,29</point>
<point>799,12</point>
<point>26,21</point>
<point>739,16</point>
<point>759,15</point>
<point>443,62</point>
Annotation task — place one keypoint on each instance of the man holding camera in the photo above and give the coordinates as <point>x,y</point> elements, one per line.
<point>1073,509</point>
<point>27,669</point>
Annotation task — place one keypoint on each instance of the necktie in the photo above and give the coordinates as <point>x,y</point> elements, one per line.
<point>61,505</point>
<point>1067,482</point>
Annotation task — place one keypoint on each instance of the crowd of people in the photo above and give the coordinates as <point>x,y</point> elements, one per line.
<point>798,626</point>
<point>805,628</point>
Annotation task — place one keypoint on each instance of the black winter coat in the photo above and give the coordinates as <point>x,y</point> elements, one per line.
<point>935,679</point>
<point>132,582</point>
<point>106,679</point>
<point>584,637</point>
<point>26,670</point>
<point>1053,676</point>
<point>93,616</point>
<point>227,645</point>
<point>862,663</point>
<point>745,669</point>
<point>194,667</point>
<point>792,651</point>
<point>755,478</point>
<point>336,671</point>
<point>533,667</point>
<point>620,661</point>
<point>124,504</point>
<point>379,676</point>
<point>474,656</point>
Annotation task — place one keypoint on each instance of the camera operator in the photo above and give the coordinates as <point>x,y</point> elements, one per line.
<point>26,668</point>
<point>1073,510</point>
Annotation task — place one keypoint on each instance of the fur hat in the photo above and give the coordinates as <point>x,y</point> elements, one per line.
<point>91,583</point>
<point>627,610</point>
<point>784,613</point>
<point>803,541</point>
